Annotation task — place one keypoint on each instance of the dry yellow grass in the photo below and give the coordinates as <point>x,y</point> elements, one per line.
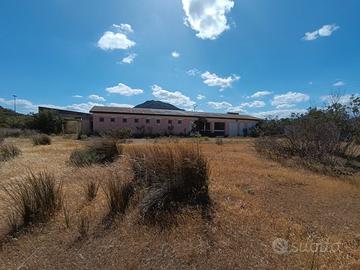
<point>255,202</point>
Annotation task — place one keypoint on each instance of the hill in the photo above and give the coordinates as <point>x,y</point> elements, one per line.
<point>11,119</point>
<point>154,104</point>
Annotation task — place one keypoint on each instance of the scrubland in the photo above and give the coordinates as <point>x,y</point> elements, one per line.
<point>252,202</point>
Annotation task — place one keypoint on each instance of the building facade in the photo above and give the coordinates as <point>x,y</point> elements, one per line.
<point>170,122</point>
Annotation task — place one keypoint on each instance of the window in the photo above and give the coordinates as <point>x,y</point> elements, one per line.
<point>136,120</point>
<point>157,121</point>
<point>101,119</point>
<point>147,121</point>
<point>179,122</point>
<point>219,126</point>
<point>170,122</point>
<point>124,120</point>
<point>112,119</point>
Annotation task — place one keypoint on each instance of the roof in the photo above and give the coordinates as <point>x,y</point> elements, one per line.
<point>64,113</point>
<point>160,112</point>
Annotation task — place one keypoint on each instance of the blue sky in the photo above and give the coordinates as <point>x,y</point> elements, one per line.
<point>256,57</point>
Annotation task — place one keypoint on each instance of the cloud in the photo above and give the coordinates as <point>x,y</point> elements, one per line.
<point>176,98</point>
<point>289,98</point>
<point>129,59</point>
<point>254,104</point>
<point>339,84</point>
<point>219,105</point>
<point>285,106</point>
<point>124,28</point>
<point>193,72</point>
<point>211,79</point>
<point>112,104</point>
<point>124,90</point>
<point>325,31</point>
<point>260,94</point>
<point>200,97</point>
<point>114,41</point>
<point>96,98</point>
<point>344,99</point>
<point>279,113</point>
<point>207,17</point>
<point>175,54</point>
<point>77,96</point>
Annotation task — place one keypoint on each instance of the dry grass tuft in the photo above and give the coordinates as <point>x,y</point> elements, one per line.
<point>90,190</point>
<point>41,139</point>
<point>172,175</point>
<point>33,200</point>
<point>96,153</point>
<point>8,151</point>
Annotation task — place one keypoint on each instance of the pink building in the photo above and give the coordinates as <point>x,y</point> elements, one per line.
<point>165,122</point>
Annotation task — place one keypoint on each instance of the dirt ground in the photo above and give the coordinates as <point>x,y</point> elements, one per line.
<point>256,201</point>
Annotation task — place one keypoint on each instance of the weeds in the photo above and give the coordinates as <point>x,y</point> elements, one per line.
<point>8,151</point>
<point>219,141</point>
<point>41,139</point>
<point>97,153</point>
<point>33,200</point>
<point>90,190</point>
<point>84,226</point>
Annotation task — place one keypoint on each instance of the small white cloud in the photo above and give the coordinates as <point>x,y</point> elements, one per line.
<point>339,84</point>
<point>260,94</point>
<point>193,72</point>
<point>289,98</point>
<point>96,98</point>
<point>124,90</point>
<point>176,98</point>
<point>279,113</point>
<point>129,59</point>
<point>236,109</point>
<point>200,97</point>
<point>77,96</point>
<point>325,31</point>
<point>124,27</point>
<point>285,106</point>
<point>211,79</point>
<point>113,41</point>
<point>175,54</point>
<point>254,104</point>
<point>207,17</point>
<point>219,105</point>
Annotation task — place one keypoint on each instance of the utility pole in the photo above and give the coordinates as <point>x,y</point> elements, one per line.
<point>195,106</point>
<point>14,96</point>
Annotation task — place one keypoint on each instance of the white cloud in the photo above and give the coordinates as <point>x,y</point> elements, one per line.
<point>77,96</point>
<point>176,98</point>
<point>82,107</point>
<point>175,54</point>
<point>129,59</point>
<point>119,105</point>
<point>289,98</point>
<point>339,84</point>
<point>113,41</point>
<point>344,99</point>
<point>124,27</point>
<point>260,94</point>
<point>124,90</point>
<point>324,31</point>
<point>237,109</point>
<point>285,106</point>
<point>254,104</point>
<point>96,98</point>
<point>200,97</point>
<point>211,79</point>
<point>193,72</point>
<point>220,105</point>
<point>279,113</point>
<point>207,17</point>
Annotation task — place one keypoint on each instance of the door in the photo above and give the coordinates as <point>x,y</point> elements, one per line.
<point>233,129</point>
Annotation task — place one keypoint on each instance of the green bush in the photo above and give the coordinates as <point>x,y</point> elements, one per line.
<point>8,151</point>
<point>41,139</point>
<point>97,153</point>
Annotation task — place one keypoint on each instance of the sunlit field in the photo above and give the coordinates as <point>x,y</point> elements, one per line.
<point>313,218</point>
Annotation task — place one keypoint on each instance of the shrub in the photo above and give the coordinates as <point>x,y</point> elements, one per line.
<point>118,195</point>
<point>41,139</point>
<point>172,175</point>
<point>33,200</point>
<point>46,122</point>
<point>121,134</point>
<point>8,151</point>
<point>83,226</point>
<point>219,141</point>
<point>97,153</point>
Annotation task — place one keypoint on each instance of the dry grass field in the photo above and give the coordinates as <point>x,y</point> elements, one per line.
<point>255,202</point>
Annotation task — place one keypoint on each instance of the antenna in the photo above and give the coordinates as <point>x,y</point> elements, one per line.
<point>14,96</point>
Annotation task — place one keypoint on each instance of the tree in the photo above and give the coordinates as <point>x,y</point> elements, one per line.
<point>46,122</point>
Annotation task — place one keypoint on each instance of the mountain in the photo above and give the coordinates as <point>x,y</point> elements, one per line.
<point>154,104</point>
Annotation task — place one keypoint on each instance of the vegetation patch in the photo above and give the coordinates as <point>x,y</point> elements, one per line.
<point>41,139</point>
<point>96,153</point>
<point>33,200</point>
<point>8,151</point>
